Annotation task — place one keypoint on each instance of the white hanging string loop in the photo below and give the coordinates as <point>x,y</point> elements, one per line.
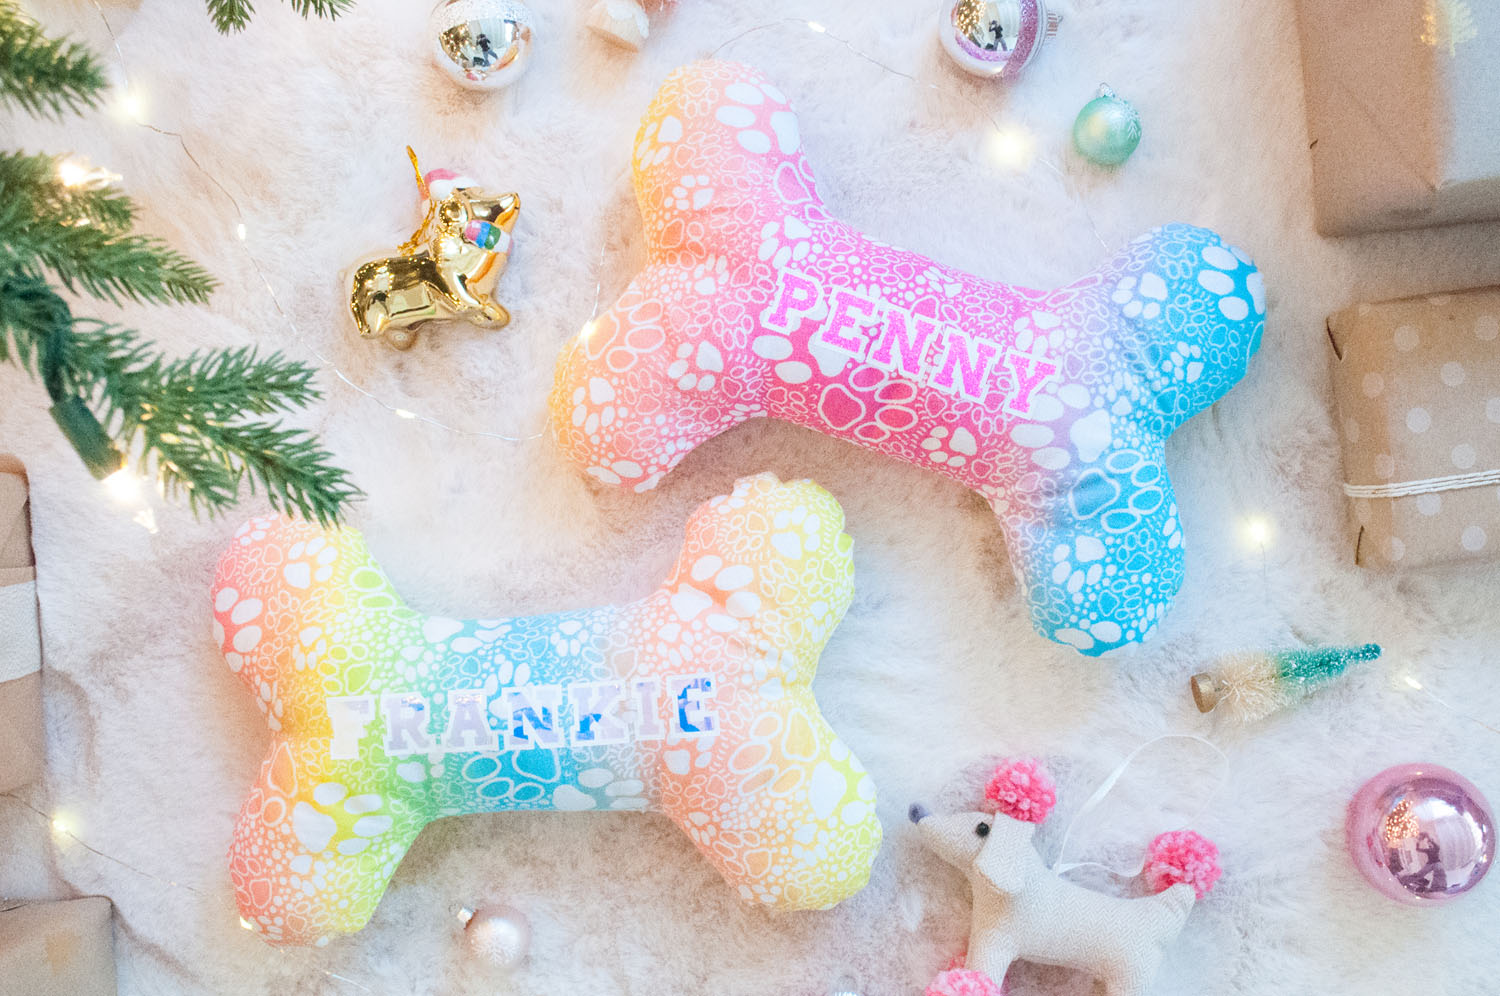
<point>1093,802</point>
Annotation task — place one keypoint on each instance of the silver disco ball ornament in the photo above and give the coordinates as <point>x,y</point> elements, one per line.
<point>995,37</point>
<point>481,44</point>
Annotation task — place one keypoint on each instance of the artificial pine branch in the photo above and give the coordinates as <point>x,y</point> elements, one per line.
<point>44,76</point>
<point>191,423</point>
<point>47,225</point>
<point>233,15</point>
<point>186,419</point>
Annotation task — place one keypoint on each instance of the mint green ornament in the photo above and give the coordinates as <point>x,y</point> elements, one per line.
<point>1107,130</point>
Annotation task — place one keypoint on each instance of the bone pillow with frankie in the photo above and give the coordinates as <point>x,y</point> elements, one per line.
<point>695,701</point>
<point>756,301</point>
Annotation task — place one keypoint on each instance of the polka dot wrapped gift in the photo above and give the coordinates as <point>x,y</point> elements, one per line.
<point>1418,388</point>
<point>695,702</point>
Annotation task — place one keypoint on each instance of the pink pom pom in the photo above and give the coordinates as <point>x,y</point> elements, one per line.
<point>1182,856</point>
<point>963,982</point>
<point>1022,790</point>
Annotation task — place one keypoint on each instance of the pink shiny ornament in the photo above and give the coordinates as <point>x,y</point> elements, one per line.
<point>1421,834</point>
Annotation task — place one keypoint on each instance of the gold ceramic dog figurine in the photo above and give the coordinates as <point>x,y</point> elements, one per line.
<point>447,269</point>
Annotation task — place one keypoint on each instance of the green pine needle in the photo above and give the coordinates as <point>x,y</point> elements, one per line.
<point>82,236</point>
<point>43,76</point>
<point>233,15</point>
<point>187,417</point>
<point>197,424</point>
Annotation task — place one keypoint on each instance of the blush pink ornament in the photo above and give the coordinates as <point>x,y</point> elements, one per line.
<point>1421,834</point>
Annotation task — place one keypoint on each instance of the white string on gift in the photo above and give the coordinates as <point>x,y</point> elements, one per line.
<point>1425,486</point>
<point>1093,802</point>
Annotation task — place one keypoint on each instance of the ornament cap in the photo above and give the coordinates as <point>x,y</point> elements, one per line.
<point>1206,691</point>
<point>1054,22</point>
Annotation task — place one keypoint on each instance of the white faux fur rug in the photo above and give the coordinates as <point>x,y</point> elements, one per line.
<point>151,744</point>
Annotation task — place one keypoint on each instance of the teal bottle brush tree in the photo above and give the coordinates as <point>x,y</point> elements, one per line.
<point>1251,686</point>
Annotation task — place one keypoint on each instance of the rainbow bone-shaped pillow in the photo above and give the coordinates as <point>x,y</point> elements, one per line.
<point>694,701</point>
<point>1055,405</point>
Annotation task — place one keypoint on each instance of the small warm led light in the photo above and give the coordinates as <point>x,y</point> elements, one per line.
<point>817,27</point>
<point>239,231</point>
<point>1257,530</point>
<point>72,173</point>
<point>588,331</point>
<point>246,924</point>
<point>403,413</point>
<point>1412,682</point>
<point>1012,147</point>
<point>60,825</point>
<point>123,486</point>
<point>132,105</point>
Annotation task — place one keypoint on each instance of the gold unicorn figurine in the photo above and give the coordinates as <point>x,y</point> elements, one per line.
<point>447,269</point>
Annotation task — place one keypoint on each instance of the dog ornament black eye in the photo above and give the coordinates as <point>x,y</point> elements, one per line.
<point>983,830</point>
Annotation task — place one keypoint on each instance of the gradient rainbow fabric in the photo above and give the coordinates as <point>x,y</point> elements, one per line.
<point>694,701</point>
<point>1055,405</point>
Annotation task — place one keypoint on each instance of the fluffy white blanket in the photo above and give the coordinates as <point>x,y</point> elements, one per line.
<point>151,744</point>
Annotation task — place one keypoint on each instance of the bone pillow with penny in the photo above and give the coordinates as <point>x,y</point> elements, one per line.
<point>694,702</point>
<point>756,301</point>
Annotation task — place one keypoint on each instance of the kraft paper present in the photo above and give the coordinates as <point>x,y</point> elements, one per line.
<point>57,949</point>
<point>1401,111</point>
<point>20,645</point>
<point>1417,382</point>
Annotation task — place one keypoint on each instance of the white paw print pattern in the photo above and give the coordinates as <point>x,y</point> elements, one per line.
<point>797,531</point>
<point>309,561</point>
<point>348,823</point>
<point>594,409</point>
<point>1077,564</point>
<point>605,790</point>
<point>710,274</point>
<point>568,639</point>
<point>252,532</point>
<point>657,141</point>
<point>756,131</point>
<point>951,449</point>
<point>268,700</point>
<point>790,241</point>
<point>243,613</point>
<point>1216,279</point>
<point>692,191</point>
<point>1184,363</point>
<point>1141,298</point>
<point>696,370</point>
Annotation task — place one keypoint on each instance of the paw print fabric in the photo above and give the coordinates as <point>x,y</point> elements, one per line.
<point>695,702</point>
<point>1055,405</point>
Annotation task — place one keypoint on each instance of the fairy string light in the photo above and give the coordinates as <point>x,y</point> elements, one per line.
<point>1011,146</point>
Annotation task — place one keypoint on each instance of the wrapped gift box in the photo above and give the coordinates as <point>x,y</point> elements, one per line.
<point>1417,383</point>
<point>57,949</point>
<point>20,646</point>
<point>1401,111</point>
